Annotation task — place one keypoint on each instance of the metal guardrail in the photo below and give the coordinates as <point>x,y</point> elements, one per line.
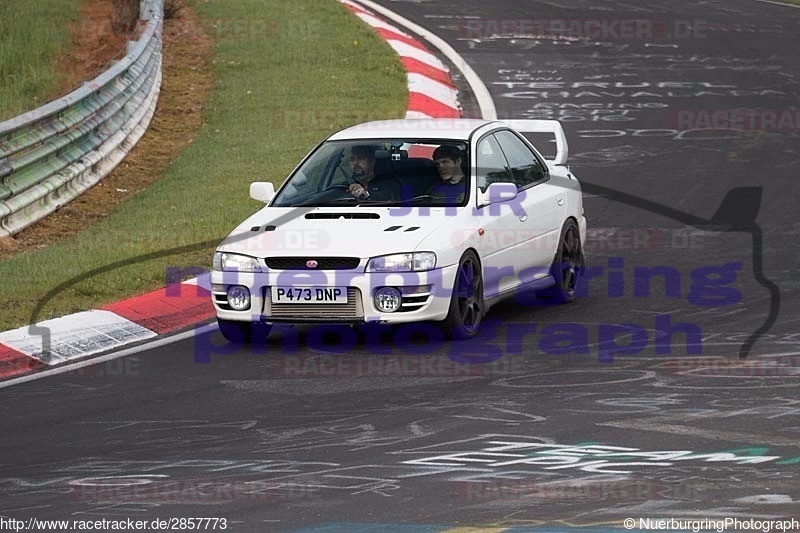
<point>52,154</point>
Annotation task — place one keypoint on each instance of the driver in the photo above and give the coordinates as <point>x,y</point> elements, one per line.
<point>364,184</point>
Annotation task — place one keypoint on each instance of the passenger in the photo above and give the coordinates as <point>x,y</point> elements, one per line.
<point>453,187</point>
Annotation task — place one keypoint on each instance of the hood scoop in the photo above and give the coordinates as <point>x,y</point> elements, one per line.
<point>334,216</point>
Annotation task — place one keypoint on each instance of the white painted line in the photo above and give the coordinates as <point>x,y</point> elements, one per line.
<point>664,424</point>
<point>77,335</point>
<point>375,22</point>
<point>485,101</point>
<point>157,343</point>
<point>507,382</point>
<point>784,4</point>
<point>352,4</point>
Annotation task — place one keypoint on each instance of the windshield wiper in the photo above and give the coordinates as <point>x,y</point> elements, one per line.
<point>350,201</point>
<point>420,197</point>
<point>403,202</point>
<point>337,201</point>
<point>366,201</point>
<point>378,202</point>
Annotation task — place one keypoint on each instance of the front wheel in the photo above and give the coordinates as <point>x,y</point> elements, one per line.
<point>466,303</point>
<point>243,332</point>
<point>567,266</point>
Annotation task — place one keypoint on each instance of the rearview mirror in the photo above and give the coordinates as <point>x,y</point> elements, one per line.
<point>497,192</point>
<point>262,191</point>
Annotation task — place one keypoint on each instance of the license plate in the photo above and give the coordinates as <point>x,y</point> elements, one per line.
<point>309,295</point>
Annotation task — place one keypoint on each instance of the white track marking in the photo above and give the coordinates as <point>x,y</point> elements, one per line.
<point>485,101</point>
<point>157,343</point>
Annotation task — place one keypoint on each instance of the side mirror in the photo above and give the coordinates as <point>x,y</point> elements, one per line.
<point>497,192</point>
<point>262,191</point>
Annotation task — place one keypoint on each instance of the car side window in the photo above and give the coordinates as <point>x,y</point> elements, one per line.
<point>491,163</point>
<point>526,169</point>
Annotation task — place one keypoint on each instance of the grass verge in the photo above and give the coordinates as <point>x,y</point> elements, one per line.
<point>32,35</point>
<point>285,75</point>
<point>51,47</point>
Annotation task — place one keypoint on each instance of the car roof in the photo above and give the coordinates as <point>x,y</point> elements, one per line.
<point>434,128</point>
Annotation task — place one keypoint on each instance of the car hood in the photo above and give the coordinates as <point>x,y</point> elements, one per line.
<point>328,231</point>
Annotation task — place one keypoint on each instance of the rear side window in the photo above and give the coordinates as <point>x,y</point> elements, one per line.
<point>526,170</point>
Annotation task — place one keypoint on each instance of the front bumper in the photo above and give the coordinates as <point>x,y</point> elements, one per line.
<point>426,295</point>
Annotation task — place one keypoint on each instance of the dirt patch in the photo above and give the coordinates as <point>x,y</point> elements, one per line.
<point>97,38</point>
<point>186,81</point>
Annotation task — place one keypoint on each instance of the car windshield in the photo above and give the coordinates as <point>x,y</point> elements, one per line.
<point>400,172</point>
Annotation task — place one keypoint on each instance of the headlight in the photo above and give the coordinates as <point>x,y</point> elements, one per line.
<point>235,262</point>
<point>402,262</point>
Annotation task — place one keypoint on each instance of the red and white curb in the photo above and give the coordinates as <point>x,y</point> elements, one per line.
<point>68,338</point>
<point>431,94</point>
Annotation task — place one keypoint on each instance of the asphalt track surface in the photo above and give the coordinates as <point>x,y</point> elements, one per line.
<point>282,440</point>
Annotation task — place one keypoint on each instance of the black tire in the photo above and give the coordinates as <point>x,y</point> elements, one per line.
<point>243,332</point>
<point>466,303</point>
<point>567,267</point>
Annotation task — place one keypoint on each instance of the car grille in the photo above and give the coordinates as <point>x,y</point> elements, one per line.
<point>323,263</point>
<point>353,309</point>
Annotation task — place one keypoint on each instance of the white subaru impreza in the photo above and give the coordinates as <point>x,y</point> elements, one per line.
<point>406,220</point>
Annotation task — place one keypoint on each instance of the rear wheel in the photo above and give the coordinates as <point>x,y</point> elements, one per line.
<point>243,332</point>
<point>466,304</point>
<point>567,266</point>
